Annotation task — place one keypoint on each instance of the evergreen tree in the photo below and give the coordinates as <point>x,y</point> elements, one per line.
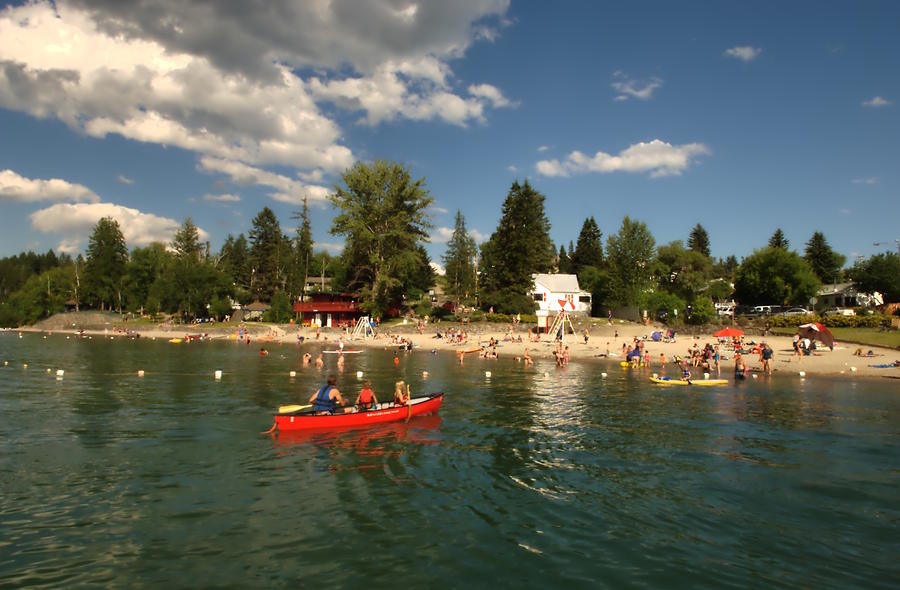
<point>186,242</point>
<point>303,242</point>
<point>778,240</point>
<point>563,262</point>
<point>107,256</point>
<point>459,262</point>
<point>630,255</point>
<point>698,241</point>
<point>825,262</point>
<point>144,268</point>
<point>266,255</point>
<point>518,248</point>
<point>383,216</point>
<point>588,248</point>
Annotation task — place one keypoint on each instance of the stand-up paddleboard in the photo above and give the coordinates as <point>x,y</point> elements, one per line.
<point>338,351</point>
<point>469,350</point>
<point>699,382</point>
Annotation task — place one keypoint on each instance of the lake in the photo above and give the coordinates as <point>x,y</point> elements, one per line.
<point>526,478</point>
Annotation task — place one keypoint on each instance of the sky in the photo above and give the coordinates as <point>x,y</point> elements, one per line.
<point>741,116</point>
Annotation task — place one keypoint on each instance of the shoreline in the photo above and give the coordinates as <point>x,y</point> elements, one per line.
<point>840,363</point>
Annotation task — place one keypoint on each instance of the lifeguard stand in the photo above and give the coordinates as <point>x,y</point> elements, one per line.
<point>363,329</point>
<point>561,322</point>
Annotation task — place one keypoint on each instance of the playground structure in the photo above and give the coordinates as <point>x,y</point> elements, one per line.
<point>363,329</point>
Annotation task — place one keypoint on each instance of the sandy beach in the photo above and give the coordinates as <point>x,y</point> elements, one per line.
<point>603,345</point>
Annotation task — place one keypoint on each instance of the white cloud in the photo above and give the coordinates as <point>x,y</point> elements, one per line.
<point>124,179</point>
<point>68,246</point>
<point>478,236</point>
<point>223,198</point>
<point>512,168</point>
<point>75,221</point>
<point>436,209</point>
<point>877,102</point>
<point>18,188</point>
<point>743,52</point>
<point>628,87</point>
<point>868,180</point>
<point>442,235</point>
<point>438,269</point>
<point>492,94</point>
<point>656,157</point>
<point>543,148</point>
<point>845,212</point>
<point>287,190</point>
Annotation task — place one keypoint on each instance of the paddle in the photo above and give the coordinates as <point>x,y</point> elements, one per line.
<point>408,404</point>
<point>292,408</point>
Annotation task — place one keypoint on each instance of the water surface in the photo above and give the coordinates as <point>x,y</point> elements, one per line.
<point>526,478</point>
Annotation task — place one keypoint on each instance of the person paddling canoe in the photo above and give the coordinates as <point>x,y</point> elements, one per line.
<point>327,398</point>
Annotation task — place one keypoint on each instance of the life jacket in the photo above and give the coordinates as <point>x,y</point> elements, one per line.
<point>685,374</point>
<point>365,398</point>
<point>323,403</point>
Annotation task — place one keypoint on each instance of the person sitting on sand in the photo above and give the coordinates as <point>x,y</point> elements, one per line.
<point>327,398</point>
<point>366,398</point>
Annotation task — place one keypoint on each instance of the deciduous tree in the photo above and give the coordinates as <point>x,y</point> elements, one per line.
<point>775,276</point>
<point>630,253</point>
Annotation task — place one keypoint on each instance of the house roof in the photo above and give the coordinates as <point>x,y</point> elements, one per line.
<point>836,288</point>
<point>558,283</point>
<point>257,306</point>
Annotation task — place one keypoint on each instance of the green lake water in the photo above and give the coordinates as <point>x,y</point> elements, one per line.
<point>525,479</point>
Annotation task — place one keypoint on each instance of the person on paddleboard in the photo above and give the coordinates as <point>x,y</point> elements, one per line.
<point>366,399</point>
<point>327,398</point>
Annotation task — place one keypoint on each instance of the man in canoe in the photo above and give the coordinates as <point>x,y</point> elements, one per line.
<point>327,399</point>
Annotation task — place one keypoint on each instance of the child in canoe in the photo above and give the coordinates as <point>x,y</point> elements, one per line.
<point>366,399</point>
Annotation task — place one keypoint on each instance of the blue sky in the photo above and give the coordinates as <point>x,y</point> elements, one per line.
<point>741,116</point>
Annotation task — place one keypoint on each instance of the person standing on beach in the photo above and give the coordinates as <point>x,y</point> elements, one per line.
<point>587,335</point>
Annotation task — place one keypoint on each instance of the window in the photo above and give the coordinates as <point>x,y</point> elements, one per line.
<point>538,296</point>
<point>584,299</point>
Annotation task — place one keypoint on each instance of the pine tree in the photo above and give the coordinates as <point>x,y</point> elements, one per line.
<point>589,247</point>
<point>266,255</point>
<point>107,255</point>
<point>459,262</point>
<point>303,242</point>
<point>698,241</point>
<point>825,262</point>
<point>518,248</point>
<point>779,241</point>
<point>186,242</point>
<point>563,262</point>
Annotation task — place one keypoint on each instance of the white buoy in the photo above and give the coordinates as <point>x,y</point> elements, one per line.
<point>60,372</point>
<point>424,374</point>
<point>141,373</point>
<point>755,376</point>
<point>293,373</point>
<point>45,337</point>
<point>48,369</point>
<point>5,363</point>
<point>359,374</point>
<point>546,374</point>
<point>487,374</point>
<point>218,374</point>
<point>603,375</point>
<point>706,375</point>
<point>67,337</point>
<point>24,365</point>
<point>803,373</point>
<point>852,369</point>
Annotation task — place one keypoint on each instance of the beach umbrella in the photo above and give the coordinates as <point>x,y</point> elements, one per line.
<point>816,331</point>
<point>729,333</point>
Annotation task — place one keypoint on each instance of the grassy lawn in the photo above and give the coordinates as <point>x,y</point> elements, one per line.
<point>864,336</point>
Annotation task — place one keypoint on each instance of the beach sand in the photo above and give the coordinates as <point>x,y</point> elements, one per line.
<point>840,362</point>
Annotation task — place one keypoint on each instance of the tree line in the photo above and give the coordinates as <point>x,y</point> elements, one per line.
<point>382,215</point>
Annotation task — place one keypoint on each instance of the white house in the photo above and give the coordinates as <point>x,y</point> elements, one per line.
<point>554,293</point>
<point>846,295</point>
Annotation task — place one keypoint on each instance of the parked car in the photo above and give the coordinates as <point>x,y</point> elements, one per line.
<point>797,311</point>
<point>840,311</point>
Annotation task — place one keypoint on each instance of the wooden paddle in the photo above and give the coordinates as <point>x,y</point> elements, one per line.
<point>292,408</point>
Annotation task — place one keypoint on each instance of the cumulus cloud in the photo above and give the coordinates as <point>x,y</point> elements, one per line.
<point>437,268</point>
<point>124,179</point>
<point>877,102</point>
<point>76,220</point>
<point>628,87</point>
<point>442,235</point>
<point>68,246</point>
<point>543,148</point>
<point>287,190</point>
<point>222,198</point>
<point>656,157</point>
<point>868,180</point>
<point>743,52</point>
<point>332,247</point>
<point>18,188</point>
<point>492,94</point>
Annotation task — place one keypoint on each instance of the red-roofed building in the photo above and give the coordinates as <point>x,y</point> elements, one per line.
<point>329,309</point>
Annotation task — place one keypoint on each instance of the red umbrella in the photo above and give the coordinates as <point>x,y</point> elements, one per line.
<point>728,333</point>
<point>816,331</point>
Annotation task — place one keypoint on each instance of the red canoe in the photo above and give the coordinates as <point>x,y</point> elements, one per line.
<point>387,412</point>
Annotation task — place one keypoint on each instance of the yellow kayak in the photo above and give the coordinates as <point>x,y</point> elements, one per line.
<point>175,340</point>
<point>627,364</point>
<point>699,382</point>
